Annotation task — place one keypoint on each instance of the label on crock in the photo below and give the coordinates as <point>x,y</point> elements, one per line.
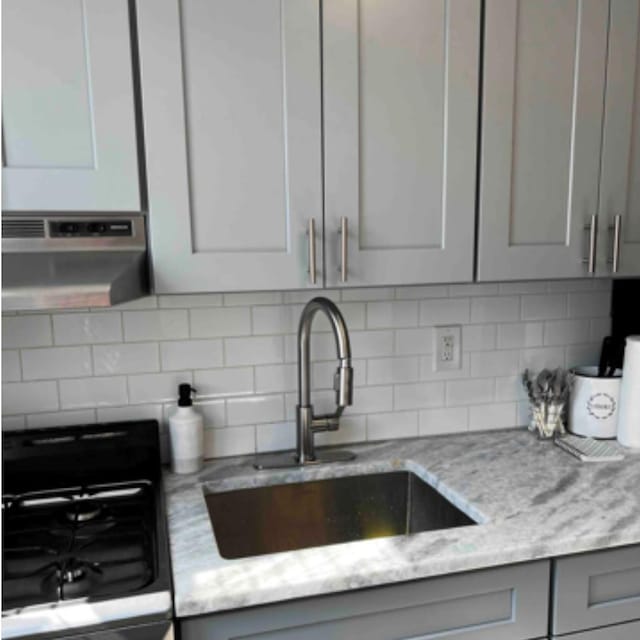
<point>601,406</point>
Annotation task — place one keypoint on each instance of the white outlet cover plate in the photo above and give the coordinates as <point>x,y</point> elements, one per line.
<point>441,360</point>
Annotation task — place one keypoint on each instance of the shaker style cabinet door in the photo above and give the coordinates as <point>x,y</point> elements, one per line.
<point>400,81</point>
<point>68,118</point>
<point>543,90</point>
<point>231,101</point>
<point>620,180</point>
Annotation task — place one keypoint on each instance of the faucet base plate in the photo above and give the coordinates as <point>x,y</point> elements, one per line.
<point>289,459</point>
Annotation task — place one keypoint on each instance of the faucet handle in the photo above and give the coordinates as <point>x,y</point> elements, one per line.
<point>343,385</point>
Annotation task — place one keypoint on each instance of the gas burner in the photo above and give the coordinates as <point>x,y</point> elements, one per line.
<point>84,511</point>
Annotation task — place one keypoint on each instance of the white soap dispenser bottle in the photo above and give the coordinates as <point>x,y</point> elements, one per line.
<point>186,434</point>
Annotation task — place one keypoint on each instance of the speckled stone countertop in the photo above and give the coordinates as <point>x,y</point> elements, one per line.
<point>532,500</point>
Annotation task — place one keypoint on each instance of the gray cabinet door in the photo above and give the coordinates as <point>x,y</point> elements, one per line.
<point>596,589</point>
<point>544,77</point>
<point>231,102</point>
<point>68,118</point>
<point>400,124</point>
<point>506,603</point>
<point>620,181</point>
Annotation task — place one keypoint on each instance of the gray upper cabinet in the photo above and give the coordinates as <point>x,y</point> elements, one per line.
<point>400,98</point>
<point>620,180</point>
<point>68,118</point>
<point>231,98</point>
<point>542,113</point>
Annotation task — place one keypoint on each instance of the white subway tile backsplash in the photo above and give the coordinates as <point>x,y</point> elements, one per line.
<point>253,298</point>
<point>13,423</point>
<point>510,388</point>
<point>422,395</point>
<point>433,422</point>
<point>190,301</point>
<point>466,392</point>
<point>485,364</point>
<point>253,350</point>
<point>157,387</point>
<point>414,341</point>
<point>495,309</point>
<point>88,328</point>
<point>369,399</point>
<point>240,352</point>
<point>445,311</point>
<point>80,393</point>
<point>400,424</point>
<point>56,362</point>
<point>362,295</point>
<point>520,335</point>
<point>130,412</point>
<point>492,416</point>
<point>544,307</point>
<point>224,382</point>
<point>352,429</point>
<point>385,315</point>
<point>26,331</point>
<point>392,370</point>
<point>422,292</point>
<point>464,290</point>
<point>589,305</point>
<point>214,323</point>
<point>29,397</point>
<point>566,332</point>
<point>176,355</point>
<point>61,418</point>
<point>233,441</point>
<point>276,436</point>
<point>11,371</point>
<point>275,378</point>
<point>255,409</point>
<point>541,358</point>
<point>155,325</point>
<point>479,337</point>
<point>113,359</point>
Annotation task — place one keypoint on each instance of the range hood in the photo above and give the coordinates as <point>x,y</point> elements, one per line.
<point>62,262</point>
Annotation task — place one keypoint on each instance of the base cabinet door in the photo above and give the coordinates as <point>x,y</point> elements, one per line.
<point>231,100</point>
<point>507,603</point>
<point>593,590</point>
<point>620,181</point>
<point>68,116</point>
<point>400,92</point>
<point>543,93</point>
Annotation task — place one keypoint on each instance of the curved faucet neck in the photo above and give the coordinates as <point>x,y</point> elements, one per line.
<point>340,333</point>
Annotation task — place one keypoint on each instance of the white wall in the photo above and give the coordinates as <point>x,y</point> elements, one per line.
<point>239,351</point>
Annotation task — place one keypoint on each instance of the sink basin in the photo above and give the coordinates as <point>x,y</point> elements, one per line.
<point>252,522</point>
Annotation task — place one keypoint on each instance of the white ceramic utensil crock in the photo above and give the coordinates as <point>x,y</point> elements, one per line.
<point>593,404</point>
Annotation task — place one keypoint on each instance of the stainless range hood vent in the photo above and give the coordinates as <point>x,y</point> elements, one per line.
<point>23,228</point>
<point>60,262</point>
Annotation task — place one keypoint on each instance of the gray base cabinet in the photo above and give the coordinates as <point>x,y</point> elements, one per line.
<point>628,631</point>
<point>507,603</point>
<point>594,590</point>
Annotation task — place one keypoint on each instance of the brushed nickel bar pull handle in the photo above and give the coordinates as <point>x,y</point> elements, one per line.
<point>311,234</point>
<point>592,228</point>
<point>343,232</point>
<point>617,230</point>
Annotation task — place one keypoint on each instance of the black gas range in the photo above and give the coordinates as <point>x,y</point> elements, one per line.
<point>84,549</point>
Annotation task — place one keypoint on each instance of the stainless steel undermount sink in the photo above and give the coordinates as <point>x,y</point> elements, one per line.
<point>284,517</point>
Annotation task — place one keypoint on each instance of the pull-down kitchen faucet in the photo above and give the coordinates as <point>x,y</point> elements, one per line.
<point>307,425</point>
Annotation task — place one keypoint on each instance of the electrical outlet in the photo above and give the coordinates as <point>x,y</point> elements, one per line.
<point>447,347</point>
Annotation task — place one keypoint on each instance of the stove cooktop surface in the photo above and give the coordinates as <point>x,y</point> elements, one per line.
<point>59,545</point>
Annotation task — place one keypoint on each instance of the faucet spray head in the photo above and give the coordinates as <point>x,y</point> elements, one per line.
<point>343,384</point>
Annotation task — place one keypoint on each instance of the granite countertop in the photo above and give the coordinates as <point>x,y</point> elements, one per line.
<point>532,499</point>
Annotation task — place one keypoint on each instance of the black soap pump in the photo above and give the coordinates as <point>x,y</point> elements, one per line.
<point>186,434</point>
